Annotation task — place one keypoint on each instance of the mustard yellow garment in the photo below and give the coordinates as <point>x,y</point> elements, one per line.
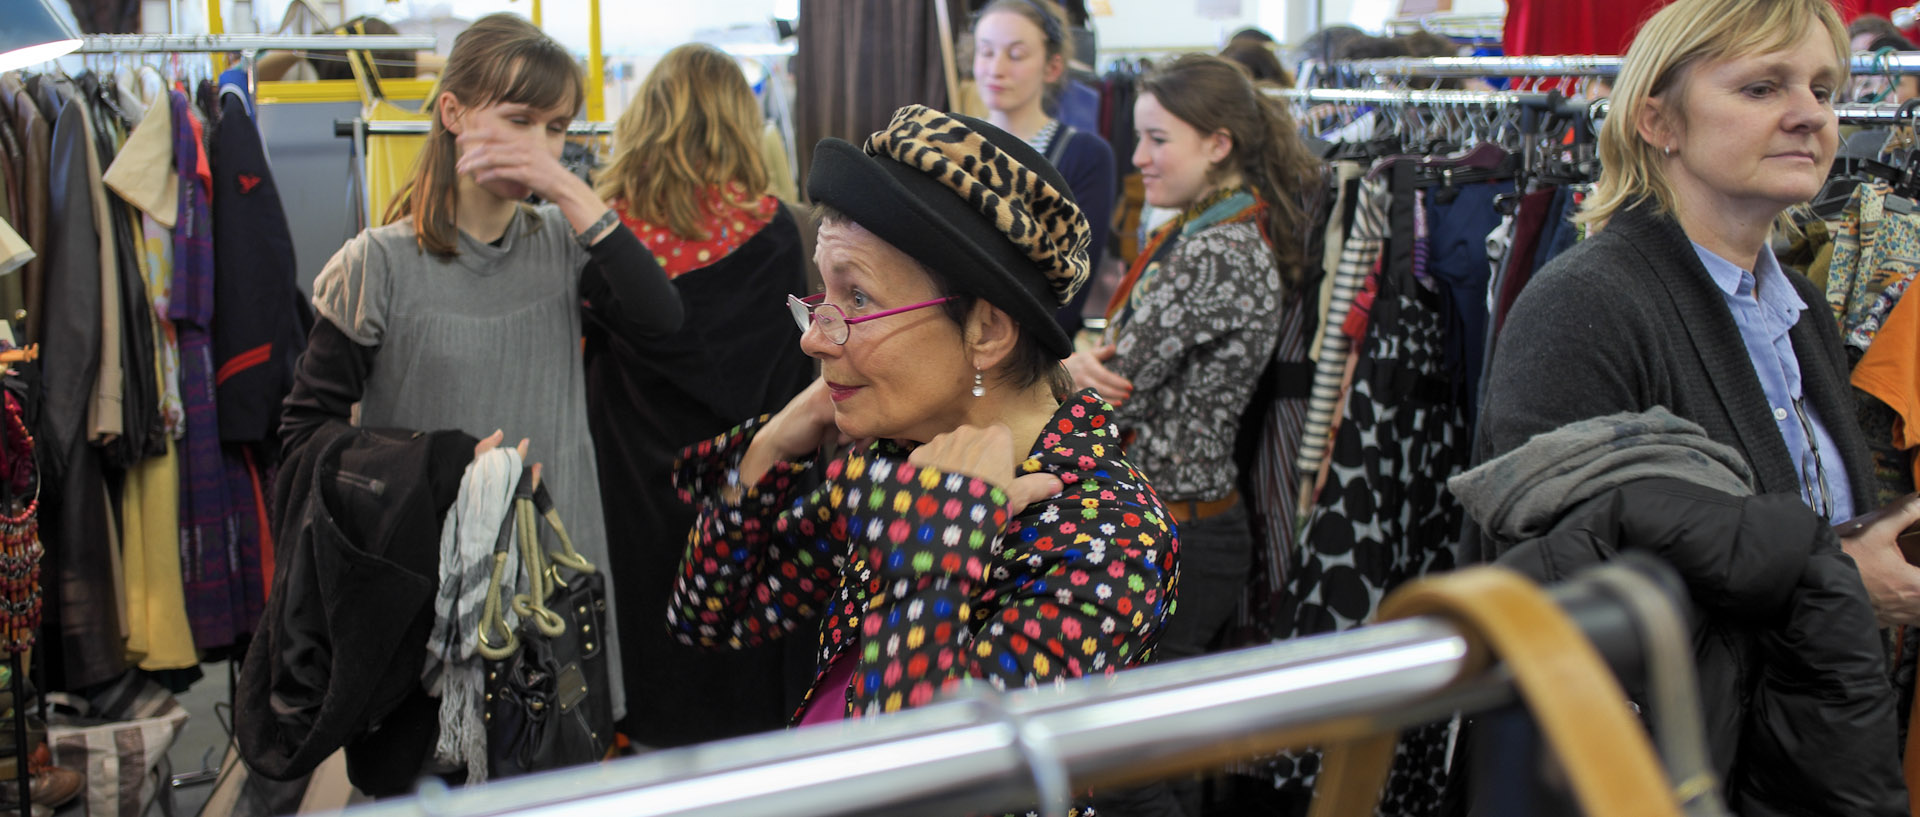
<point>159,637</point>
<point>389,159</point>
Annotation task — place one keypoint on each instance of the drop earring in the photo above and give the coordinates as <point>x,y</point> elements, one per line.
<point>979,385</point>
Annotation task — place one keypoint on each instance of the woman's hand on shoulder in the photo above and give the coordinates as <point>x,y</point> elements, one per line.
<point>801,428</point>
<point>986,454</point>
<point>1089,370</point>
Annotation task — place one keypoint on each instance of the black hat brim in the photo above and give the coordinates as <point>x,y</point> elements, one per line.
<point>927,220</point>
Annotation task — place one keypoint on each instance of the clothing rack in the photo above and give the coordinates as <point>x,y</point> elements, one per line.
<point>1848,114</point>
<point>1477,28</point>
<point>1585,65</point>
<point>249,45</point>
<point>983,751</point>
<point>220,43</point>
<point>1539,100</point>
<point>389,127</point>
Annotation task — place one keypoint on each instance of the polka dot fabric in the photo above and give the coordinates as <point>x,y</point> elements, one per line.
<point>727,226</point>
<point>923,572</point>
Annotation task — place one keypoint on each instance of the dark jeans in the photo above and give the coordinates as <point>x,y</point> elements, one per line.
<point>1215,555</point>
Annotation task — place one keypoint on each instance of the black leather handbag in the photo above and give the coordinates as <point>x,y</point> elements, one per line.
<point>548,699</point>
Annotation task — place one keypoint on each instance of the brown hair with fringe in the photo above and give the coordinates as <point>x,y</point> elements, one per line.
<point>1673,41</point>
<point>694,125</point>
<point>500,59</point>
<point>1212,94</point>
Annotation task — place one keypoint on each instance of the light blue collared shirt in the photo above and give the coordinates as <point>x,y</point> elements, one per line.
<point>1764,323</point>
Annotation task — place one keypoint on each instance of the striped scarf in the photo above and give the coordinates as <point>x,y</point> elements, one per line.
<point>466,570</point>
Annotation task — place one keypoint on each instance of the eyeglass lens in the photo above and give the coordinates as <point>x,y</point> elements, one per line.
<point>832,321</point>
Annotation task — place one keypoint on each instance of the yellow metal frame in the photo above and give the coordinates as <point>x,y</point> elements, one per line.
<point>339,90</point>
<point>596,66</point>
<point>216,25</point>
<point>347,91</point>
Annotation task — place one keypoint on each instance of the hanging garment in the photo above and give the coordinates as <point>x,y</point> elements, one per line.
<point>105,411</point>
<point>82,605</point>
<point>1608,26</point>
<point>858,61</point>
<point>260,320</point>
<point>1529,225</point>
<point>1876,247</point>
<point>144,176</point>
<point>36,135</point>
<point>1364,245</point>
<point>1890,371</point>
<point>206,539</point>
<point>158,635</point>
<point>132,319</point>
<point>1459,225</point>
<point>647,398</point>
<point>1346,185</point>
<point>1386,518</point>
<point>1272,483</point>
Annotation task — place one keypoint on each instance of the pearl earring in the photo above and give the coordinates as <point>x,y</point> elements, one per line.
<point>979,385</point>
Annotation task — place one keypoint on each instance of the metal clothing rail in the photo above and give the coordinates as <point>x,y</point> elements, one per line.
<point>400,127</point>
<point>1546,100</point>
<point>987,752</point>
<point>217,43</point>
<point>1848,114</point>
<point>1456,25</point>
<point>1898,63</point>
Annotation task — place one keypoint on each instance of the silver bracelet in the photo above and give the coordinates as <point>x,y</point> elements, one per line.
<point>600,225</point>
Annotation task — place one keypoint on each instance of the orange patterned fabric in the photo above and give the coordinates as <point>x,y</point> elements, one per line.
<point>727,226</point>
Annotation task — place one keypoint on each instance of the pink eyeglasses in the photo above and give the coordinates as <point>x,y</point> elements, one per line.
<point>813,310</point>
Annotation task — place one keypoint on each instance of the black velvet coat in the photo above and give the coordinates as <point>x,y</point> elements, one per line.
<point>736,355</point>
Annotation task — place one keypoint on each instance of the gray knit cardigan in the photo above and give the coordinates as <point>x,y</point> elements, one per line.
<point>1628,320</point>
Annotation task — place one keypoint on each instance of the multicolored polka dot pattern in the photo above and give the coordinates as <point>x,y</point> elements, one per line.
<point>923,572</point>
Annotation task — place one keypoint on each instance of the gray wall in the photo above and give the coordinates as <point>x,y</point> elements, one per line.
<point>310,166</point>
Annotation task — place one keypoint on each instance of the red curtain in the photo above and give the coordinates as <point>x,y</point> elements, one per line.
<point>1608,26</point>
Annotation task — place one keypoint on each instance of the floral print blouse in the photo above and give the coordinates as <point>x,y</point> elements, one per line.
<point>1202,329</point>
<point>924,572</point>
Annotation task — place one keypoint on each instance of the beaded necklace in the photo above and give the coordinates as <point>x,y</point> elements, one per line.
<point>20,549</point>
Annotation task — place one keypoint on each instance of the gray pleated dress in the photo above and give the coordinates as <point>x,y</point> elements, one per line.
<point>489,339</point>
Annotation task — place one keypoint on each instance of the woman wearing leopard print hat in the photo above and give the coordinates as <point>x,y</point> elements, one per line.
<point>936,500</point>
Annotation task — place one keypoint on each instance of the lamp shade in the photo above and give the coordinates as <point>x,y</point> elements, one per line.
<point>30,32</point>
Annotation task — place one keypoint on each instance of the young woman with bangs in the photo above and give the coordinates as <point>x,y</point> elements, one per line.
<point>465,313</point>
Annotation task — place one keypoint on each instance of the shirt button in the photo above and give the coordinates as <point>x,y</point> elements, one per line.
<point>1779,414</point>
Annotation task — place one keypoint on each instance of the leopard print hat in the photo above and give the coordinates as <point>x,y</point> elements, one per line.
<point>970,201</point>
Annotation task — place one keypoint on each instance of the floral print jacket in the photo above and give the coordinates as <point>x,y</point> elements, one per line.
<point>923,571</point>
